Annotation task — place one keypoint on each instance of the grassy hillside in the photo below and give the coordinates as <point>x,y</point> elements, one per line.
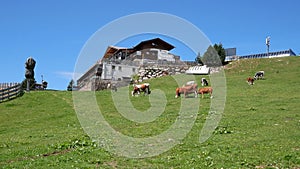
<point>260,127</point>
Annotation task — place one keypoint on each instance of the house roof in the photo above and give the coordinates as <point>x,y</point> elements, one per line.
<point>154,43</point>
<point>113,49</point>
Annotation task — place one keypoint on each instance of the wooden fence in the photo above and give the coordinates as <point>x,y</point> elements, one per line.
<point>10,91</point>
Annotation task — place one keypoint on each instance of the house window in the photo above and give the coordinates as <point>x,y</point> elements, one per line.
<point>133,69</point>
<point>113,67</point>
<point>120,68</point>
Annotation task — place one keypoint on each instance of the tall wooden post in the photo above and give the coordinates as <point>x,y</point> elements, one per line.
<point>29,73</point>
<point>28,85</point>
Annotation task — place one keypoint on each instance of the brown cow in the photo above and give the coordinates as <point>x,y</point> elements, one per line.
<point>205,90</point>
<point>187,89</point>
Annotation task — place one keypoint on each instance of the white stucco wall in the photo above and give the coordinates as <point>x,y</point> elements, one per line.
<point>118,71</point>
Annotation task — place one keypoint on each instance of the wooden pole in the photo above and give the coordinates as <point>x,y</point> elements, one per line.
<point>28,85</point>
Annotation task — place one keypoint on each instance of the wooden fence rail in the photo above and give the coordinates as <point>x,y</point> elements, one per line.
<point>7,85</point>
<point>10,92</point>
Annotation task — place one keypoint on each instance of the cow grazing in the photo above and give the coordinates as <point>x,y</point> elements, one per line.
<point>137,89</point>
<point>187,89</point>
<point>204,82</point>
<point>205,90</point>
<point>250,80</point>
<point>259,75</point>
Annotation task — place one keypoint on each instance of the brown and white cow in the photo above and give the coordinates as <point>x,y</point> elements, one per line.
<point>250,80</point>
<point>137,89</point>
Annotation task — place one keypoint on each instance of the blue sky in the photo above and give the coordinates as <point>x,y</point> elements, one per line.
<point>54,32</point>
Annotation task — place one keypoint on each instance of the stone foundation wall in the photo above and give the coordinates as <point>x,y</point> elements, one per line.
<point>148,72</point>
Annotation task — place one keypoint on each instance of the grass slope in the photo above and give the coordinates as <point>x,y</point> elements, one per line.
<point>260,127</point>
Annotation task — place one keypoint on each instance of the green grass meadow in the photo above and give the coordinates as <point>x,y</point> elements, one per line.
<point>260,126</point>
